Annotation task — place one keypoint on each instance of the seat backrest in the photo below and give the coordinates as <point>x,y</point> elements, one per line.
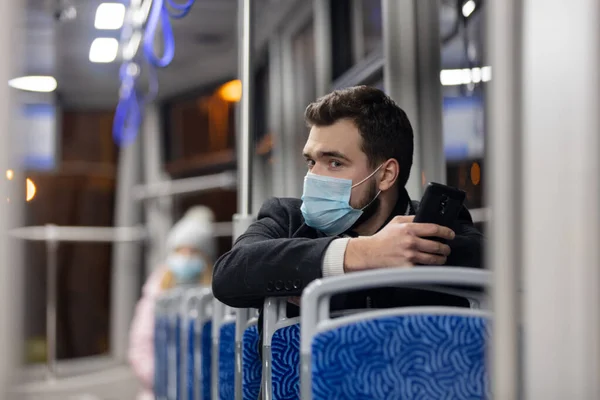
<point>161,327</point>
<point>197,312</point>
<point>168,344</point>
<point>281,351</point>
<point>247,359</point>
<point>223,352</point>
<point>394,353</point>
<point>404,353</point>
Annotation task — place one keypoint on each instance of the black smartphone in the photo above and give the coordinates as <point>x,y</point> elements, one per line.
<point>440,205</point>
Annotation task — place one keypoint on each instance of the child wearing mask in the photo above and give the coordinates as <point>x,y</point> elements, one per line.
<point>191,250</point>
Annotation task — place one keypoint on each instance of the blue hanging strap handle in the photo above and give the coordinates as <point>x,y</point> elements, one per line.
<point>161,12</point>
<point>129,112</point>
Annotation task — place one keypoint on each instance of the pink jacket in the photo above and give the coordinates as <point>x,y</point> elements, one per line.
<point>141,336</point>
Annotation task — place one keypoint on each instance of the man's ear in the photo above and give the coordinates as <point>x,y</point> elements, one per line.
<point>389,174</point>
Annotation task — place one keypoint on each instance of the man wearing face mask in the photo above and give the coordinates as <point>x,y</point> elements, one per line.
<point>191,248</point>
<point>355,214</point>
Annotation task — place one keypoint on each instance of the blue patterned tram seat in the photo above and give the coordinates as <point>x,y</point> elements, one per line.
<point>403,353</point>
<point>196,344</point>
<point>248,371</point>
<point>167,345</point>
<point>223,352</point>
<point>281,351</point>
<point>161,332</point>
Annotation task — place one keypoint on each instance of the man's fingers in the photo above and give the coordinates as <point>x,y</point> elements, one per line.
<point>428,259</point>
<point>431,230</point>
<point>432,247</point>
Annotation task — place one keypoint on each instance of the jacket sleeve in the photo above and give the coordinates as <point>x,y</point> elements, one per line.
<point>467,246</point>
<point>267,261</point>
<point>141,337</point>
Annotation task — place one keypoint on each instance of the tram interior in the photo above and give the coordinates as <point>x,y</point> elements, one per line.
<point>113,149</point>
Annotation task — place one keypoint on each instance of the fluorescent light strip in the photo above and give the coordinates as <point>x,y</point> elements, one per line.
<point>455,77</point>
<point>104,50</point>
<point>110,16</point>
<point>40,84</point>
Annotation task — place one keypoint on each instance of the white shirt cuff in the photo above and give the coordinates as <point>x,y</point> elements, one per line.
<point>333,262</point>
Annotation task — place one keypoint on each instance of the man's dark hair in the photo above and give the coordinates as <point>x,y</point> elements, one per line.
<point>384,127</point>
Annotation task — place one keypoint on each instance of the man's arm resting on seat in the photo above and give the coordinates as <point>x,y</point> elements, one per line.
<point>265,262</point>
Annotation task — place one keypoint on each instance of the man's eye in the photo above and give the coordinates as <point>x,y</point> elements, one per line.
<point>335,164</point>
<point>310,163</point>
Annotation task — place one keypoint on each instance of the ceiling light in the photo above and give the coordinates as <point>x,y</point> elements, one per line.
<point>43,84</point>
<point>454,77</point>
<point>110,16</point>
<point>231,91</point>
<point>468,8</point>
<point>104,50</point>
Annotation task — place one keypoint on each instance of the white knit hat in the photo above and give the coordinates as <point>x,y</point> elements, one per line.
<point>194,230</point>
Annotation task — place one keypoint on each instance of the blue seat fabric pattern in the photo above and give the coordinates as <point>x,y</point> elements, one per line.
<point>251,364</point>
<point>402,357</point>
<point>227,361</point>
<point>285,350</point>
<point>206,359</point>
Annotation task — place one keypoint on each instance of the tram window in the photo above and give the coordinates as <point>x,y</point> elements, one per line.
<point>356,31</point>
<point>199,132</point>
<point>79,192</point>
<point>341,37</point>
<point>372,22</point>
<point>463,100</point>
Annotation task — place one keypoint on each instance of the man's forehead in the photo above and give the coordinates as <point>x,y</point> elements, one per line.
<point>342,137</point>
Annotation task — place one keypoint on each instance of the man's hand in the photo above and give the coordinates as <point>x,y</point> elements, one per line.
<point>399,243</point>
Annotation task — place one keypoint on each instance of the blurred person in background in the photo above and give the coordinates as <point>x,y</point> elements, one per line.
<point>191,249</point>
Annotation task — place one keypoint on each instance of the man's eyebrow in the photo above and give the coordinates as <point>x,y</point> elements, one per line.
<point>334,154</point>
<point>328,153</point>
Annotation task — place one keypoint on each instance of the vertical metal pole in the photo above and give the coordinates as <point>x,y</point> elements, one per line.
<point>246,117</point>
<point>322,33</point>
<point>126,255</point>
<point>11,264</point>
<point>429,59</point>
<point>158,212</point>
<point>51,301</point>
<point>504,27</point>
<point>561,198</point>
<point>400,73</point>
<point>246,150</point>
<point>276,111</point>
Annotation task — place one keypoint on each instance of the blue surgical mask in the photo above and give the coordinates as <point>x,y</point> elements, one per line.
<point>187,269</point>
<point>326,203</point>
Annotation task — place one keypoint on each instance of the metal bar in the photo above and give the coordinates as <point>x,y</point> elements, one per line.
<point>246,127</point>
<point>400,73</point>
<point>560,198</point>
<point>126,256</point>
<point>429,92</point>
<point>79,234</point>
<point>171,188</point>
<point>504,253</point>
<point>51,303</point>
<point>480,214</point>
<point>12,38</point>
<point>358,31</point>
<point>158,211</point>
<point>322,33</point>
